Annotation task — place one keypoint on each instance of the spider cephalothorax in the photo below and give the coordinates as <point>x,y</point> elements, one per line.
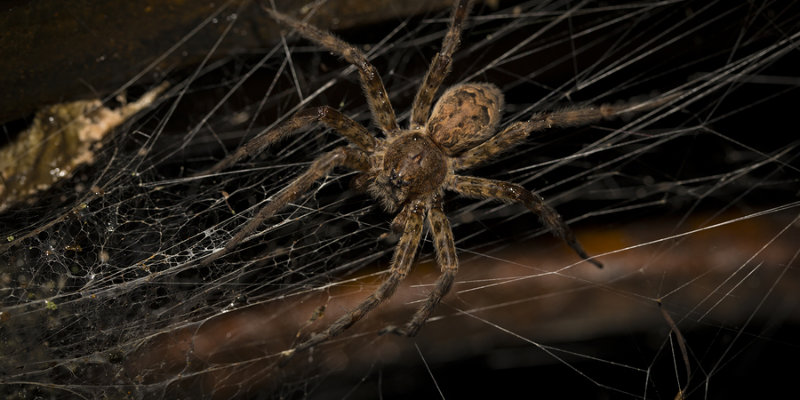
<point>409,170</point>
<point>416,162</point>
<point>412,166</point>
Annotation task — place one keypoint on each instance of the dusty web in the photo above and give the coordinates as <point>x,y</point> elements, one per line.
<point>692,207</point>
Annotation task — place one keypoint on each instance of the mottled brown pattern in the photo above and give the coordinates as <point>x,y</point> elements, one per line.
<point>445,248</point>
<point>574,116</point>
<point>414,167</point>
<point>409,170</point>
<point>401,265</point>
<point>440,67</point>
<point>482,188</point>
<point>464,116</point>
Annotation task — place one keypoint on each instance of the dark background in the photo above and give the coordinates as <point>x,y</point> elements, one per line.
<point>716,165</point>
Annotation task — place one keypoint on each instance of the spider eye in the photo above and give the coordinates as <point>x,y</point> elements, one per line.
<point>396,179</point>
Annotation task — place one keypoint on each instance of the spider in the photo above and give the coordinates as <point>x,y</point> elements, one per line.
<point>408,170</point>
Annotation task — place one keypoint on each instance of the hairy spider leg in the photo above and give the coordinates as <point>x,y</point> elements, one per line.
<point>517,132</point>
<point>404,254</point>
<point>482,188</point>
<point>328,116</point>
<point>440,66</point>
<point>445,248</point>
<point>371,82</point>
<point>341,156</point>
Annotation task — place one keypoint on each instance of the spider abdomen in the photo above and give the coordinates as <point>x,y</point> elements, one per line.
<point>465,116</point>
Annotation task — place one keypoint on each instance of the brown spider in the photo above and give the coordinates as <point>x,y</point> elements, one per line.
<point>410,169</point>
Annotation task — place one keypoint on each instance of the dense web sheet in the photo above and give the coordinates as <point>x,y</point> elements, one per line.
<point>692,207</point>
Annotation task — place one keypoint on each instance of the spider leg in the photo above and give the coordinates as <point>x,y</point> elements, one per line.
<point>371,81</point>
<point>440,66</point>
<point>482,188</point>
<point>517,132</point>
<point>401,263</point>
<point>328,116</point>
<point>448,263</point>
<point>341,156</point>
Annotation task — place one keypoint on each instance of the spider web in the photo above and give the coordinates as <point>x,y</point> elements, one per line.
<point>692,208</point>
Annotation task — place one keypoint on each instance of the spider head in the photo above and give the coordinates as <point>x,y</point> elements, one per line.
<point>412,166</point>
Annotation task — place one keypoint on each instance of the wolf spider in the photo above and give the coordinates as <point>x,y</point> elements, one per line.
<point>409,169</point>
